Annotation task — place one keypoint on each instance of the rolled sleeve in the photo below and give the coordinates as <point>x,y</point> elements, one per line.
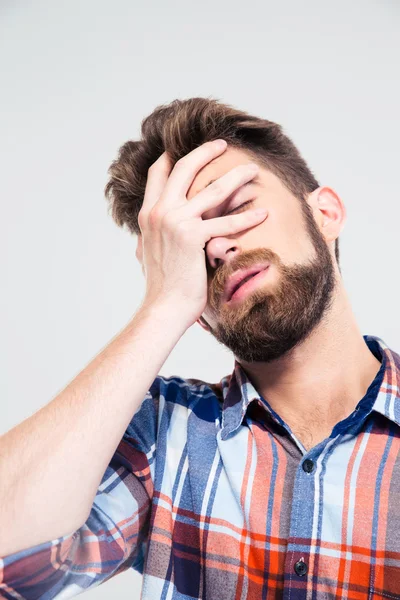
<point>114,536</point>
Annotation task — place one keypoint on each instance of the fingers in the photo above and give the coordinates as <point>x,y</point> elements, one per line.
<point>157,178</point>
<point>232,224</point>
<point>167,185</point>
<point>216,193</point>
<point>186,169</point>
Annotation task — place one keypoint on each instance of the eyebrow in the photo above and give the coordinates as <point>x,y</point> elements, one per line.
<point>254,181</point>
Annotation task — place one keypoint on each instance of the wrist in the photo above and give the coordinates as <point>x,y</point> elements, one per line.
<point>168,312</point>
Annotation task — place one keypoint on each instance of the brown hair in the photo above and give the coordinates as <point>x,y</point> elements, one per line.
<point>181,126</point>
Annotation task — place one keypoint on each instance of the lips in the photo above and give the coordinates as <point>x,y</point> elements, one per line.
<point>239,278</point>
<point>244,281</point>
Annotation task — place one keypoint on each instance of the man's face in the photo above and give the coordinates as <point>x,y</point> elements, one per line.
<point>287,301</point>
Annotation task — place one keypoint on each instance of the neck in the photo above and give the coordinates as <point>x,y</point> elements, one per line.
<point>319,383</point>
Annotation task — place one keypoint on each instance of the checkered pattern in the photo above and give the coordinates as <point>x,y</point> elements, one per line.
<point>208,497</point>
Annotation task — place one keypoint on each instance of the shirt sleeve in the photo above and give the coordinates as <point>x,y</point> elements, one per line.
<point>113,538</point>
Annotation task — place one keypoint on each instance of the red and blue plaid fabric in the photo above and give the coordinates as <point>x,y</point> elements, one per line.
<point>210,495</point>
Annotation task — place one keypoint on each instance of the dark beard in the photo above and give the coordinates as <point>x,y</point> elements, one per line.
<point>268,323</point>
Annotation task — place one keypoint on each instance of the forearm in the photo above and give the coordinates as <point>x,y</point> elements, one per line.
<point>52,463</point>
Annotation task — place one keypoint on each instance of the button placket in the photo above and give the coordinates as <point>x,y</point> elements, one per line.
<point>308,465</point>
<point>300,568</point>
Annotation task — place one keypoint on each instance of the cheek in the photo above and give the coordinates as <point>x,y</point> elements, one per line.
<point>282,234</point>
<point>293,229</point>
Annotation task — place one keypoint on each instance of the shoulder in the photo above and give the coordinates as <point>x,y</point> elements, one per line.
<point>184,391</point>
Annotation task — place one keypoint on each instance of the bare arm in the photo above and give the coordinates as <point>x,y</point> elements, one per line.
<point>52,463</point>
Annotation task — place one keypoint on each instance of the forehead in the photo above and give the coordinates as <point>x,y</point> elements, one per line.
<point>232,157</point>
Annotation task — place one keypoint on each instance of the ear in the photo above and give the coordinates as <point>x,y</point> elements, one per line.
<point>203,323</point>
<point>329,212</point>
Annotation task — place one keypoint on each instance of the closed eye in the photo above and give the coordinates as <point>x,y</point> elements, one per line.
<point>238,207</point>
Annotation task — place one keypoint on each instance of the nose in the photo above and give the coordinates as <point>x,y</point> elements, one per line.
<point>221,250</point>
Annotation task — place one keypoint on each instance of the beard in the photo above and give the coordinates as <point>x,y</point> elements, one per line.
<point>273,319</point>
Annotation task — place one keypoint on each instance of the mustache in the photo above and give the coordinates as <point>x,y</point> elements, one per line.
<point>243,261</point>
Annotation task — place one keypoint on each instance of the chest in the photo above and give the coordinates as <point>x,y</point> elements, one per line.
<point>254,513</point>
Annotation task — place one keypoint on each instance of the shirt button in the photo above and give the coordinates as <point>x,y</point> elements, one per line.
<point>300,568</point>
<point>308,465</point>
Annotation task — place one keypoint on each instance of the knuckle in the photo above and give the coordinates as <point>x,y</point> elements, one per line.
<point>180,164</point>
<point>238,173</point>
<point>241,171</point>
<point>162,163</point>
<point>232,222</point>
<point>143,219</point>
<point>170,223</point>
<point>216,188</point>
<point>141,224</point>
<point>154,166</point>
<point>173,225</point>
<point>154,218</point>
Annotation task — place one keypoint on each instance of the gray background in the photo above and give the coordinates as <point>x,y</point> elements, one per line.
<point>76,80</point>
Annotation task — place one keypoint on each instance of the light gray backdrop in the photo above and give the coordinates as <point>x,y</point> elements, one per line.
<point>77,78</point>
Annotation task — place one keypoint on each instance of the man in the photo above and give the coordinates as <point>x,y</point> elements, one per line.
<point>281,481</point>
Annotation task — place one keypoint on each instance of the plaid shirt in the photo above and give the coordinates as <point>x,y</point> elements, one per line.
<point>210,495</point>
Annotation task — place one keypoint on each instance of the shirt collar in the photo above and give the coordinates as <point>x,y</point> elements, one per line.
<point>239,392</point>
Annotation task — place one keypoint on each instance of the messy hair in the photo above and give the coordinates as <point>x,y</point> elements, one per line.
<point>181,126</point>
